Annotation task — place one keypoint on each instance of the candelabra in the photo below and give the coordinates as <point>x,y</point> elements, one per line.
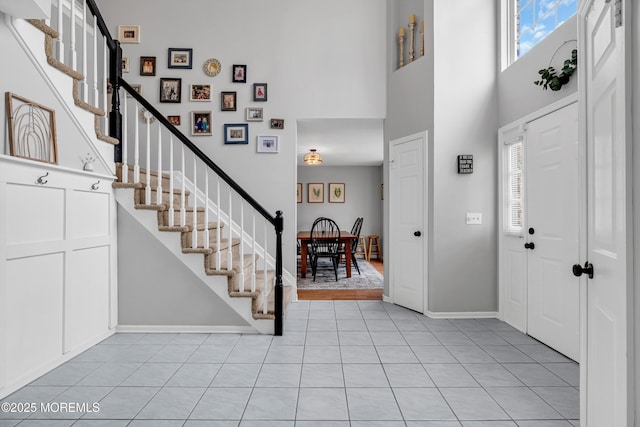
<point>401,43</point>
<point>412,27</point>
<point>422,37</point>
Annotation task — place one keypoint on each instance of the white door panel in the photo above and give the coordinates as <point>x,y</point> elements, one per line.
<point>407,218</point>
<point>607,389</point>
<point>552,226</point>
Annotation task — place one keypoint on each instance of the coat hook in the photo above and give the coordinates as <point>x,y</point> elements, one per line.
<point>96,185</point>
<point>41,180</point>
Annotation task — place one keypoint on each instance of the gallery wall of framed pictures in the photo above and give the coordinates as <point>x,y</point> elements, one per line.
<point>178,79</point>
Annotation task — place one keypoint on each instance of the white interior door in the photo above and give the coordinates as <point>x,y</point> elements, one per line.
<point>609,355</point>
<point>552,232</point>
<point>407,220</point>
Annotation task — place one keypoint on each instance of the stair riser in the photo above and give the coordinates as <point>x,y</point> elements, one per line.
<point>163,217</point>
<point>143,177</point>
<point>140,198</point>
<point>187,240</point>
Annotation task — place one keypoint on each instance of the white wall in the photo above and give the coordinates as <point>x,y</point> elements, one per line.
<point>362,197</point>
<point>518,96</point>
<point>451,92</point>
<point>320,60</point>
<point>156,289</point>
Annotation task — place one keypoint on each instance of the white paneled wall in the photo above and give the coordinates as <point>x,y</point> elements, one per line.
<point>57,267</point>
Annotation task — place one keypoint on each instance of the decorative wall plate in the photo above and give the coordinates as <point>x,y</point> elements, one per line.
<point>212,67</point>
<point>146,116</point>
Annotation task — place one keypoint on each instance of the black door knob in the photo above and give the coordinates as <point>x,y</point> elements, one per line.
<point>531,230</point>
<point>587,269</point>
<point>417,233</point>
<point>529,245</point>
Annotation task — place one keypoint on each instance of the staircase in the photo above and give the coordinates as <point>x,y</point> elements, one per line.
<point>205,213</point>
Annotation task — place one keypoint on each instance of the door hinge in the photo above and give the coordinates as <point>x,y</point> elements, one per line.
<point>618,13</point>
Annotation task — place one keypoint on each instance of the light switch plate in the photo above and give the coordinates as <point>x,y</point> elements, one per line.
<point>474,218</point>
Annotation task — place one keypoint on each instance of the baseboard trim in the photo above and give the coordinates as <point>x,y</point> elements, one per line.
<point>462,314</point>
<point>386,298</point>
<point>157,329</point>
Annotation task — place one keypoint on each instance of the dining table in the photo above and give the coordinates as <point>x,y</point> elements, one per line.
<point>304,237</point>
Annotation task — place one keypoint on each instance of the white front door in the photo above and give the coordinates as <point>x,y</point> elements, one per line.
<point>407,200</point>
<point>552,231</point>
<point>609,353</point>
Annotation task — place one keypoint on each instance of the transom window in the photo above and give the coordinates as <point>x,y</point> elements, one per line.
<point>535,19</point>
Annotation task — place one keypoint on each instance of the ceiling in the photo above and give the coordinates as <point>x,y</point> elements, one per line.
<point>342,142</point>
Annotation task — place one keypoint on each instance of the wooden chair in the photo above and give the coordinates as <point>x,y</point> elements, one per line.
<point>324,243</point>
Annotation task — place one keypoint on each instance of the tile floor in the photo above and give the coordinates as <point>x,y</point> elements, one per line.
<point>339,363</point>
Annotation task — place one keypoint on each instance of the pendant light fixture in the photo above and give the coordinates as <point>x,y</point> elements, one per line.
<point>312,158</point>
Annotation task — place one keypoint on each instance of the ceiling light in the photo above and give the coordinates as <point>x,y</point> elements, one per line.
<point>312,158</point>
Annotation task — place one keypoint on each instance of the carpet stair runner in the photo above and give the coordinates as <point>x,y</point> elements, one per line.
<point>246,265</point>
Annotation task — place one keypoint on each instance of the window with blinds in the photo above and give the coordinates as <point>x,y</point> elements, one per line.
<point>514,190</point>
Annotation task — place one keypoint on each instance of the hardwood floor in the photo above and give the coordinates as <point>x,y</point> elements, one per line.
<point>346,294</point>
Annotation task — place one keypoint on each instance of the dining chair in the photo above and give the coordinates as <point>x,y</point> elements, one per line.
<point>355,230</point>
<point>324,243</point>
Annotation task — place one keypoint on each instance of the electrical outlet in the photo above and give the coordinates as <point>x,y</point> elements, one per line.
<point>474,218</point>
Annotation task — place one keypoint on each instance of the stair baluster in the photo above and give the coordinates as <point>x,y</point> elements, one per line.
<point>171,182</point>
<point>194,224</point>
<point>183,210</point>
<point>159,185</point>
<point>206,208</point>
<point>265,276</point>
<point>219,228</point>
<point>241,254</point>
<point>136,152</point>
<point>229,248</point>
<point>105,73</point>
<point>125,143</point>
<point>85,88</point>
<point>60,29</point>
<point>253,252</point>
<point>147,187</point>
<point>72,45</point>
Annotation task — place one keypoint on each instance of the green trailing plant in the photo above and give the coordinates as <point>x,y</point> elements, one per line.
<point>550,79</point>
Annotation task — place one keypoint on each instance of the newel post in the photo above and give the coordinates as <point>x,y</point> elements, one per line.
<point>278,307</point>
<point>115,117</point>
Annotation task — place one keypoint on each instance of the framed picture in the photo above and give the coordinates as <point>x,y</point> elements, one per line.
<point>200,93</point>
<point>336,192</point>
<point>137,88</point>
<point>32,130</point>
<point>259,92</point>
<point>171,90</point>
<point>147,65</point>
<point>200,123</point>
<point>239,73</point>
<point>180,58</point>
<point>277,123</point>
<point>236,133</point>
<point>228,101</point>
<point>125,64</point>
<point>299,192</point>
<point>268,144</point>
<point>129,33</point>
<point>315,192</point>
<point>254,114</point>
<point>174,120</point>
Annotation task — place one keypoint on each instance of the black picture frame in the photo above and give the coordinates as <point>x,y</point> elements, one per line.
<point>171,90</point>
<point>228,101</point>
<point>147,65</point>
<point>180,58</point>
<point>239,73</point>
<point>236,133</point>
<point>259,92</point>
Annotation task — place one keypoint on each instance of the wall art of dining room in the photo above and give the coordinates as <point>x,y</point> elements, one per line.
<point>315,192</point>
